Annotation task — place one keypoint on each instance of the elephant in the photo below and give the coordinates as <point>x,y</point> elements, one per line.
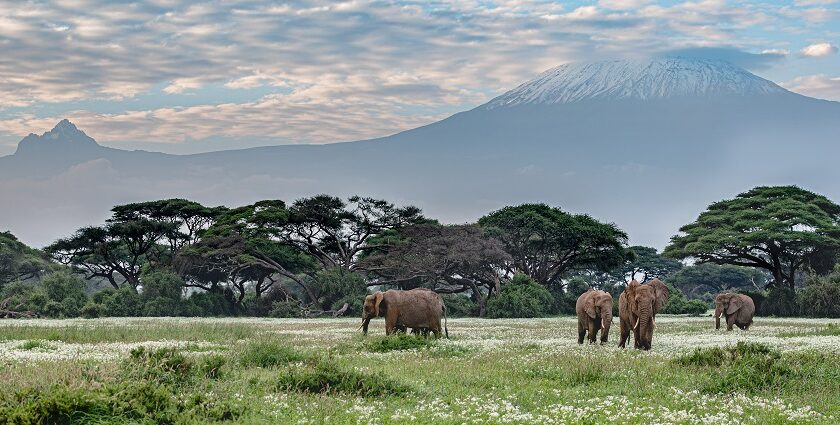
<point>737,309</point>
<point>637,308</point>
<point>594,312</point>
<point>420,309</point>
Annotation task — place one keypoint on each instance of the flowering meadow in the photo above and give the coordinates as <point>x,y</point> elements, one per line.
<point>518,371</point>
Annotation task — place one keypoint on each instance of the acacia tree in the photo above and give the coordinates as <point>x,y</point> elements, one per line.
<point>647,264</point>
<point>188,219</point>
<point>338,233</point>
<point>20,262</point>
<point>777,228</point>
<point>446,259</point>
<point>245,245</point>
<point>546,243</point>
<point>116,251</point>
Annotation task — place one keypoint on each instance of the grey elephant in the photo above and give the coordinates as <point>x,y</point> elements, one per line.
<point>420,309</point>
<point>594,313</point>
<point>637,308</point>
<point>737,309</point>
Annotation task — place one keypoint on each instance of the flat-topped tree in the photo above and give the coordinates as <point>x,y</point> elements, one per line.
<point>188,218</point>
<point>337,233</point>
<point>547,243</point>
<point>777,228</point>
<point>116,251</point>
<point>20,262</point>
<point>246,244</point>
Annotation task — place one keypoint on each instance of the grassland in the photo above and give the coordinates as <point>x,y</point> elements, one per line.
<point>491,371</point>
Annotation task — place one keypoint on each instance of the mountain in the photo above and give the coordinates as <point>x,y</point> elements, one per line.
<point>644,144</point>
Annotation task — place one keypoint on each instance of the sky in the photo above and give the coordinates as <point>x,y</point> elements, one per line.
<point>184,77</point>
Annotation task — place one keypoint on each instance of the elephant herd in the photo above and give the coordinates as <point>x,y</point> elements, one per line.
<point>421,311</point>
<point>637,308</point>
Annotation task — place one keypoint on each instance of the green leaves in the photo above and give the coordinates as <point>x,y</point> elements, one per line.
<point>776,228</point>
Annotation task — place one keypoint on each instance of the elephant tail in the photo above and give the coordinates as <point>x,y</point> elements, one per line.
<point>445,330</point>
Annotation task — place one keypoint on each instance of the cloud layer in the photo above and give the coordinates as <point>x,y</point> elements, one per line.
<point>174,72</point>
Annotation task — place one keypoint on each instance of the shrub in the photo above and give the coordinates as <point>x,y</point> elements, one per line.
<point>285,309</point>
<point>381,344</point>
<point>160,307</point>
<point>337,286</point>
<point>821,296</point>
<point>780,302</point>
<point>521,297</point>
<point>678,304</point>
<point>327,378</point>
<point>165,365</point>
<point>458,305</point>
<point>743,367</point>
<point>268,354</point>
<point>161,284</point>
<point>92,310</point>
<point>123,302</point>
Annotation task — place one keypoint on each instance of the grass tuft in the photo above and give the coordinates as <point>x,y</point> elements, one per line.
<point>269,354</point>
<point>324,377</point>
<point>382,344</point>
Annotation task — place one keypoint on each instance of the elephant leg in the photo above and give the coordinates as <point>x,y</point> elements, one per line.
<point>730,321</point>
<point>636,339</point>
<point>593,331</point>
<point>624,332</point>
<point>581,332</point>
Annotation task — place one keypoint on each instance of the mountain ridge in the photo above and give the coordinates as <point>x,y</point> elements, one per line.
<point>649,165</point>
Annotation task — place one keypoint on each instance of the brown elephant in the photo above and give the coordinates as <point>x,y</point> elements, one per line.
<point>594,312</point>
<point>420,309</point>
<point>737,309</point>
<point>637,308</point>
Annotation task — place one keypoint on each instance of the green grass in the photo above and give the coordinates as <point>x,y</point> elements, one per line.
<point>187,371</point>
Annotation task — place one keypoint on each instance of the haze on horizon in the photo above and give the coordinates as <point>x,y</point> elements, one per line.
<point>185,77</point>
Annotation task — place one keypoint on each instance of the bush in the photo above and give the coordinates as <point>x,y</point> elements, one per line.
<point>459,305</point>
<point>160,307</point>
<point>337,286</point>
<point>780,302</point>
<point>283,309</point>
<point>92,310</point>
<point>821,296</point>
<point>678,304</point>
<point>268,354</point>
<point>521,297</point>
<point>123,302</point>
<point>212,303</point>
<point>327,378</point>
<point>161,284</point>
<point>746,366</point>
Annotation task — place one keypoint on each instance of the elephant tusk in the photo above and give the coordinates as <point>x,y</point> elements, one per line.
<point>653,320</point>
<point>636,325</point>
<point>603,324</point>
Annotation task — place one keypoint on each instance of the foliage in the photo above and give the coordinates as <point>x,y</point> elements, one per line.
<point>521,297</point>
<point>59,294</point>
<point>459,305</point>
<point>713,278</point>
<point>780,302</point>
<point>647,264</point>
<point>779,229</point>
<point>547,243</point>
<point>268,354</point>
<point>336,286</point>
<point>20,262</point>
<point>401,341</point>
<point>678,304</point>
<point>821,296</point>
<point>328,378</point>
<point>446,259</point>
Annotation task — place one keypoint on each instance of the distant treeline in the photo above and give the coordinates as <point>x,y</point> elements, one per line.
<point>318,256</point>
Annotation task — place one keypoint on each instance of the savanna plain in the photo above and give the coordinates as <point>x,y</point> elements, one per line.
<point>523,371</point>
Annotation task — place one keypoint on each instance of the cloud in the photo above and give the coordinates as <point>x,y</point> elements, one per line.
<point>820,86</point>
<point>763,60</point>
<point>818,50</point>
<point>322,71</point>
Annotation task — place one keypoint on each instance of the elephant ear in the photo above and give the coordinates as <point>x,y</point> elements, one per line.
<point>735,302</point>
<point>661,294</point>
<point>589,305</point>
<point>379,296</point>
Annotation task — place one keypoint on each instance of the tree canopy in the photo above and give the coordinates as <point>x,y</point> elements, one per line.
<point>776,228</point>
<point>20,262</point>
<point>547,243</point>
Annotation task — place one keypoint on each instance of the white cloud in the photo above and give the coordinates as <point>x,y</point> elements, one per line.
<point>818,50</point>
<point>336,71</point>
<point>819,86</point>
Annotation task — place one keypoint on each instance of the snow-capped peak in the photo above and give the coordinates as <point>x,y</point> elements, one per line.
<point>659,78</point>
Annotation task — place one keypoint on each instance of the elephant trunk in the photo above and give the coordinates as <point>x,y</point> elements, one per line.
<point>645,324</point>
<point>606,321</point>
<point>364,325</point>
